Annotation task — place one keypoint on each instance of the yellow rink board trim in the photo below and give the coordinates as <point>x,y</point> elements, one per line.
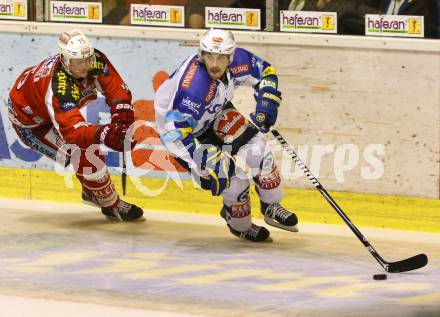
<point>391,212</point>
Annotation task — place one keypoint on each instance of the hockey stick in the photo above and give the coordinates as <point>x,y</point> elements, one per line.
<point>124,174</point>
<point>409,264</point>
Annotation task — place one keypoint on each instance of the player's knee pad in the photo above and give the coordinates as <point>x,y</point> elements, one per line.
<point>268,176</point>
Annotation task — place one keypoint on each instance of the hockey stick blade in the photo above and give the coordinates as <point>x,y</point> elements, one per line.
<point>412,263</point>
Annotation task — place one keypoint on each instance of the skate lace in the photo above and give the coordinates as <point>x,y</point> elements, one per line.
<point>280,212</point>
<point>123,207</point>
<point>252,231</point>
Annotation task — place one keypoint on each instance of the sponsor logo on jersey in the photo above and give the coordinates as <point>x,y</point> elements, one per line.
<point>189,76</point>
<point>75,91</point>
<point>268,83</point>
<point>211,92</point>
<point>66,106</point>
<point>98,65</point>
<point>227,129</point>
<point>271,180</point>
<point>240,211</point>
<point>124,106</point>
<point>244,68</point>
<point>62,83</point>
<point>192,106</point>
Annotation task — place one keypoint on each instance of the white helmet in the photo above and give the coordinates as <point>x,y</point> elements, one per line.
<point>74,45</point>
<point>217,41</point>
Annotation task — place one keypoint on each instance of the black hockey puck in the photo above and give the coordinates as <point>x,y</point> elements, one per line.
<point>380,277</point>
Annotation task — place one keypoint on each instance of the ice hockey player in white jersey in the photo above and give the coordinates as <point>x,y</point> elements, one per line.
<point>205,133</point>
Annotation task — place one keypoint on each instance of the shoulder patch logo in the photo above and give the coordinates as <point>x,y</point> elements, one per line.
<point>189,76</point>
<point>240,69</point>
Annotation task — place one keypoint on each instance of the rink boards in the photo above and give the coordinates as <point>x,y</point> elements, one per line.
<point>391,212</point>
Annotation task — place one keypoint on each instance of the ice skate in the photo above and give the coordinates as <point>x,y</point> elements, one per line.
<point>278,216</point>
<point>123,211</point>
<point>254,233</point>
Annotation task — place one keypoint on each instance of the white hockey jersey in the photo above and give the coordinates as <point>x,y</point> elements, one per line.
<point>188,102</point>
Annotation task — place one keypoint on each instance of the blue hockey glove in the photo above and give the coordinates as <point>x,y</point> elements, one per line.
<point>219,165</point>
<point>266,112</point>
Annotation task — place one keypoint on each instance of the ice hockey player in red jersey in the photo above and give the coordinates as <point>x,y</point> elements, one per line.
<point>44,108</point>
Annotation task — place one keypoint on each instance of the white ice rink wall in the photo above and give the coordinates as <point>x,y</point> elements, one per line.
<point>363,112</point>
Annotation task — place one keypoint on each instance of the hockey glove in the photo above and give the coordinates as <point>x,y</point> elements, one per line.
<point>122,113</point>
<point>112,135</point>
<point>266,112</point>
<point>218,165</point>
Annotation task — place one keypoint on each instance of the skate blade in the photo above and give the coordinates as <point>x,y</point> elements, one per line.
<point>113,218</point>
<point>273,223</point>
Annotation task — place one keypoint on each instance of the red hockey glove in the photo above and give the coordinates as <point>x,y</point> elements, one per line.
<point>122,113</point>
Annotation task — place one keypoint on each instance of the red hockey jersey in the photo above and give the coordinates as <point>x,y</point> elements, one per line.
<point>47,95</point>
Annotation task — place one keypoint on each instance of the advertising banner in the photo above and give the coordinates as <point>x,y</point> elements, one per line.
<point>394,25</point>
<point>308,22</point>
<point>232,18</point>
<point>76,11</point>
<point>13,10</point>
<point>157,15</point>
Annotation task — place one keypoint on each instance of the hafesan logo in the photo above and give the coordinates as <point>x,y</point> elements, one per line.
<point>145,14</point>
<point>394,25</point>
<point>232,18</point>
<point>308,21</point>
